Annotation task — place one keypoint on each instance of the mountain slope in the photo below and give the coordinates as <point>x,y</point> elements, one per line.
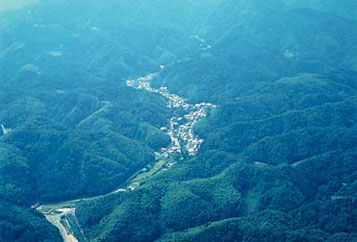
<point>278,161</point>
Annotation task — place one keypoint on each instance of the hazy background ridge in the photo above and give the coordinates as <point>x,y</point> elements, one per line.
<point>7,5</point>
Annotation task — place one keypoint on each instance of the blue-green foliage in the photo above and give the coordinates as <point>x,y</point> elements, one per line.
<point>279,160</point>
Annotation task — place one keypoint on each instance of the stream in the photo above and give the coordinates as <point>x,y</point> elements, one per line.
<point>184,143</point>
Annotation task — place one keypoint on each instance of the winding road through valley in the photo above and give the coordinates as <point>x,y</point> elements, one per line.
<point>184,143</point>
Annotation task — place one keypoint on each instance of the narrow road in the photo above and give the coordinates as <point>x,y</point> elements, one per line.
<point>4,130</point>
<point>56,218</point>
<point>183,142</point>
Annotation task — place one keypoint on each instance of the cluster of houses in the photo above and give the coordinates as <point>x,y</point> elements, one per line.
<point>185,132</point>
<point>203,43</point>
<point>174,101</point>
<point>180,129</point>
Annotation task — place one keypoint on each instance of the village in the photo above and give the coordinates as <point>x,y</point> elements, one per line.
<point>180,129</point>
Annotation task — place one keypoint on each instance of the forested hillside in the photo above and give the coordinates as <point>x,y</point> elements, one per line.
<point>278,159</point>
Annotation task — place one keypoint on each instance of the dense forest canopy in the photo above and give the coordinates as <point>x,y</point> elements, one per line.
<point>273,152</point>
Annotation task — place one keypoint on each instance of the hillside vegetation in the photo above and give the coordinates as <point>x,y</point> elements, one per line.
<point>279,157</point>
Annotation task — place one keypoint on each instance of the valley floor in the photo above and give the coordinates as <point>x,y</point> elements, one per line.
<point>184,143</point>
